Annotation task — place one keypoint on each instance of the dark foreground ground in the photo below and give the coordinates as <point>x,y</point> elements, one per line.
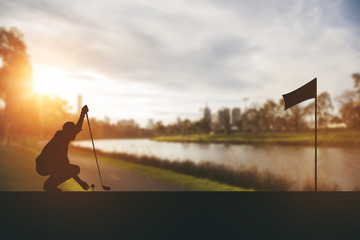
<point>180,215</point>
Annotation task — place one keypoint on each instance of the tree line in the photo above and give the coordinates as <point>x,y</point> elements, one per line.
<point>271,117</point>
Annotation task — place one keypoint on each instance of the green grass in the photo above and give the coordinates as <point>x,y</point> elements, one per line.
<point>185,181</point>
<point>17,172</point>
<point>242,178</point>
<point>325,138</point>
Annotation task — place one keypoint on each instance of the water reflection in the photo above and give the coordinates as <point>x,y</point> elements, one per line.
<point>338,168</point>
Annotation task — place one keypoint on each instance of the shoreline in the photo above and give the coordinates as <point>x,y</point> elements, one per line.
<point>341,139</point>
<point>187,181</point>
<point>247,179</point>
<point>279,143</point>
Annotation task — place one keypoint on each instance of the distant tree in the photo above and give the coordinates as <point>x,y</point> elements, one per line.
<point>293,119</point>
<point>15,77</point>
<point>125,128</point>
<point>215,126</point>
<point>239,125</point>
<point>350,105</point>
<point>250,120</point>
<point>160,129</point>
<point>356,77</point>
<point>279,122</point>
<point>51,112</point>
<point>324,109</point>
<point>173,129</point>
<point>336,120</point>
<point>268,114</point>
<point>204,126</point>
<point>186,127</point>
<point>296,120</point>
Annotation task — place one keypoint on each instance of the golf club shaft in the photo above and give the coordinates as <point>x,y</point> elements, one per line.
<point>94,149</point>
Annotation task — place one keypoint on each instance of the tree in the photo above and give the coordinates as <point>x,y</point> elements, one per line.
<point>268,114</point>
<point>185,127</point>
<point>15,77</point>
<point>350,105</point>
<point>356,77</point>
<point>281,121</point>
<point>336,120</point>
<point>160,129</point>
<point>324,109</point>
<point>47,114</point>
<point>250,120</point>
<point>204,126</point>
<point>297,118</point>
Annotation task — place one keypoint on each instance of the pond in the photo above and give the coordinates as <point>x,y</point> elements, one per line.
<point>338,168</point>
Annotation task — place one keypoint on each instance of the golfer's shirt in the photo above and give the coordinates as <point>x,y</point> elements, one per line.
<point>56,149</point>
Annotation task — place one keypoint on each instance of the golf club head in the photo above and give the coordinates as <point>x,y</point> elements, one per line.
<point>106,188</point>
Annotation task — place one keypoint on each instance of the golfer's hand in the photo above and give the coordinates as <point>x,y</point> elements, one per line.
<point>84,185</point>
<point>84,110</point>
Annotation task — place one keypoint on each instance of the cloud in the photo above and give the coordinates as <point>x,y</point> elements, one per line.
<point>203,51</point>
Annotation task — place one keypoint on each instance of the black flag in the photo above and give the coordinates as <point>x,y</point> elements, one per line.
<point>301,94</point>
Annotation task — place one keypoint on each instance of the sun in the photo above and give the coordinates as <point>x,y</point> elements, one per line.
<point>46,80</point>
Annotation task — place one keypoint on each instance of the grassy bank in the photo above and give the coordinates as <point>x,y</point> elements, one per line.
<point>186,181</point>
<point>242,178</point>
<point>325,138</point>
<point>17,172</point>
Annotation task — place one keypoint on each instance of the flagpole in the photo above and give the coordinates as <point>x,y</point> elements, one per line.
<point>299,95</point>
<point>316,135</point>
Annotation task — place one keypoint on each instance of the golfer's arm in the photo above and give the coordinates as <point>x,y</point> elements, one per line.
<point>77,179</point>
<point>80,123</point>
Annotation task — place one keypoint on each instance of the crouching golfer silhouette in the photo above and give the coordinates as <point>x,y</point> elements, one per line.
<point>53,159</point>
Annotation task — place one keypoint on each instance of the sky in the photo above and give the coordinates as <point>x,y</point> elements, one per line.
<point>167,59</point>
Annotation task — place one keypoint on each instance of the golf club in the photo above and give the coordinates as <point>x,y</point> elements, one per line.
<point>104,187</point>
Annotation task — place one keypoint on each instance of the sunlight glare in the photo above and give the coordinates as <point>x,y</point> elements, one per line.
<point>47,80</point>
<point>2,104</point>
